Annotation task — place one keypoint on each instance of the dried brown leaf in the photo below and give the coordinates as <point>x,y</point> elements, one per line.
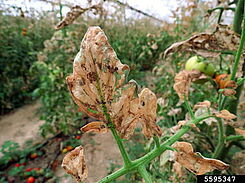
<point>203,104</point>
<point>183,122</point>
<point>95,126</point>
<point>225,115</point>
<point>74,164</point>
<point>183,82</point>
<point>194,161</point>
<point>231,84</point>
<point>229,92</point>
<point>208,44</point>
<point>74,13</point>
<point>97,85</point>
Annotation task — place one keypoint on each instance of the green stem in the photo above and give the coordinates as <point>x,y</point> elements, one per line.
<point>239,17</point>
<point>234,137</point>
<point>126,159</point>
<point>240,81</point>
<point>237,22</point>
<point>143,172</point>
<point>189,109</point>
<point>152,154</point>
<point>110,124</point>
<point>239,52</point>
<point>221,140</point>
<point>156,139</point>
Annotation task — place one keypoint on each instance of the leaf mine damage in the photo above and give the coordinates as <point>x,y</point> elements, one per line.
<point>98,86</point>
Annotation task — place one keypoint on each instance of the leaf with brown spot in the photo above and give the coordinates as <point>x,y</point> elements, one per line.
<point>225,115</point>
<point>208,44</point>
<point>194,161</point>
<point>98,87</point>
<point>74,164</point>
<point>95,126</point>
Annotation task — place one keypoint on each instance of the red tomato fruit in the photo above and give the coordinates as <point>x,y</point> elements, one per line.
<point>30,180</point>
<point>28,169</point>
<point>78,137</point>
<point>17,165</point>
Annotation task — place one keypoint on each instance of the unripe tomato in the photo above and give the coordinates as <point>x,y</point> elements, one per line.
<point>196,63</point>
<point>30,180</point>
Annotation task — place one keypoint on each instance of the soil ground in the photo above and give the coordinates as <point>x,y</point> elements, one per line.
<point>101,151</point>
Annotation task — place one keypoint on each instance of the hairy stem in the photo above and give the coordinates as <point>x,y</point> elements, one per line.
<point>143,172</point>
<point>152,154</point>
<point>239,51</point>
<point>157,143</point>
<point>221,140</point>
<point>235,138</point>
<point>239,17</point>
<point>189,109</point>
<point>126,159</point>
<point>237,22</point>
<point>110,124</point>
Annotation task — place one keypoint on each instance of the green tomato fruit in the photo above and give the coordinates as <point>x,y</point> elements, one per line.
<point>196,63</point>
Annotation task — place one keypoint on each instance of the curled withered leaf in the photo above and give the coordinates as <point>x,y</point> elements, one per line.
<point>74,13</point>
<point>194,162</point>
<point>225,115</point>
<point>208,44</point>
<point>95,126</point>
<point>230,84</point>
<point>183,122</point>
<point>148,115</point>
<point>183,82</point>
<point>98,87</point>
<point>228,92</point>
<point>74,164</point>
<point>203,104</point>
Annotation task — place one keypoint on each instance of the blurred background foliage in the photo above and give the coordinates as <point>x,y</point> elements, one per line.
<point>35,60</point>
